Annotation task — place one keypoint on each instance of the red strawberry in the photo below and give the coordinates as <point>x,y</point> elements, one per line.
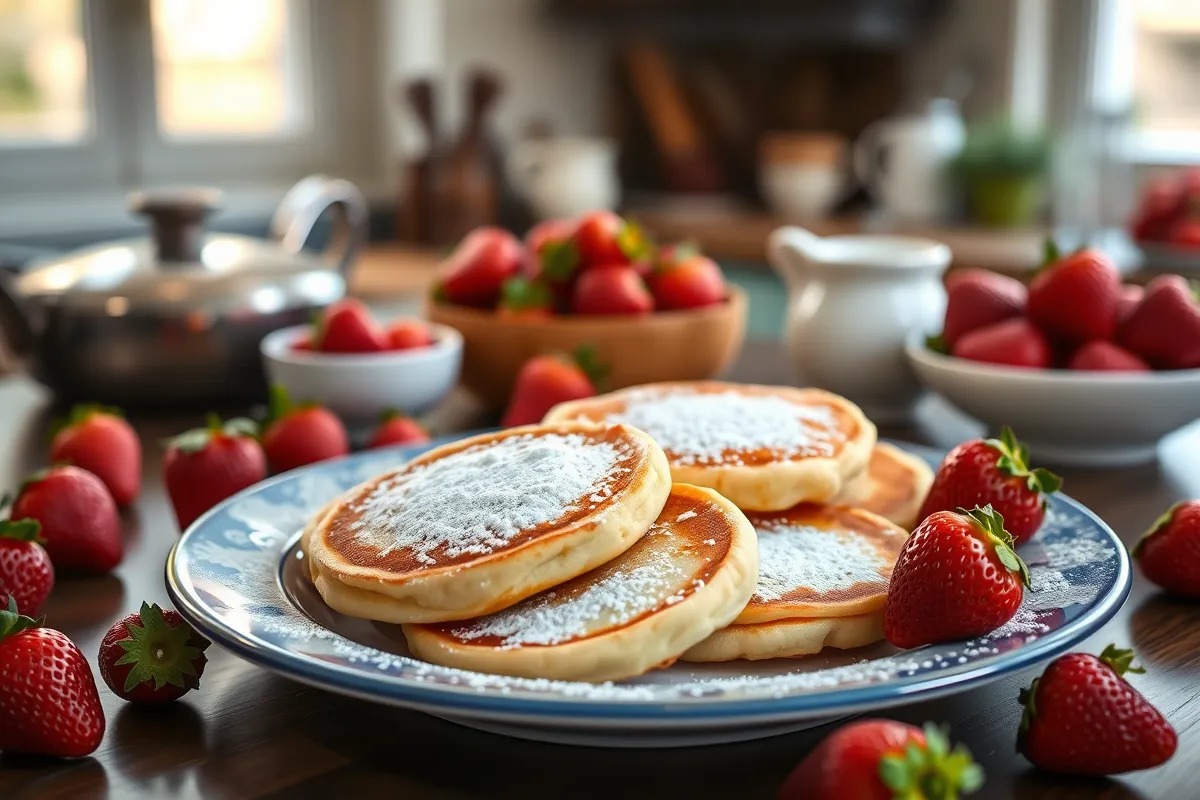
<point>603,239</point>
<point>1169,553</point>
<point>1083,718</point>
<point>525,298</point>
<point>611,290</point>
<point>545,381</point>
<point>347,327</point>
<point>1165,328</point>
<point>303,345</point>
<point>26,574</point>
<point>977,298</point>
<point>878,759</point>
<point>296,435</point>
<point>1186,234</point>
<point>478,267</point>
<point>691,282</point>
<point>552,256</point>
<point>1101,356</point>
<point>78,518</point>
<point>409,334</point>
<point>99,440</point>
<point>994,472</point>
<point>152,656</point>
<point>48,700</point>
<point>1074,299</point>
<point>396,428</point>
<point>204,466</point>
<point>957,577</point>
<point>1013,343</point>
<point>1129,299</point>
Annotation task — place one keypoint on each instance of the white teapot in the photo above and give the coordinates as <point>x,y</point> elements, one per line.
<point>853,302</point>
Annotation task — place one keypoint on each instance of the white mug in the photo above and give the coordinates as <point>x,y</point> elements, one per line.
<point>565,176</point>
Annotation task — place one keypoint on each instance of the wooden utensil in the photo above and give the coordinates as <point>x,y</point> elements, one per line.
<point>687,164</point>
<point>468,189</point>
<point>414,214</point>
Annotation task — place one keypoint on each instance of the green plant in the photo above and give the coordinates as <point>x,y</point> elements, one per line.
<point>1001,150</point>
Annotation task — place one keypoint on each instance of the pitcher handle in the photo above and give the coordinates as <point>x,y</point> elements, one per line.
<point>866,154</point>
<point>790,246</point>
<point>304,204</point>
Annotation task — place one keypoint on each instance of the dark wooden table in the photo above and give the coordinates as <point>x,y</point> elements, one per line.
<point>250,733</point>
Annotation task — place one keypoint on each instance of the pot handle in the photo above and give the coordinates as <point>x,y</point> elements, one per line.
<point>304,204</point>
<point>15,324</point>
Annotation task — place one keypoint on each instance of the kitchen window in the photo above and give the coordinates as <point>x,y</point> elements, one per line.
<point>1147,68</point>
<point>98,98</point>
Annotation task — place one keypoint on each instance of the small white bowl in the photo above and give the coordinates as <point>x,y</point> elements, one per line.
<point>1091,419</point>
<point>358,388</point>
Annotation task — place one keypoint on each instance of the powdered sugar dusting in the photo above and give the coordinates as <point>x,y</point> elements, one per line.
<point>792,556</point>
<point>475,501</point>
<point>652,574</point>
<point>700,429</point>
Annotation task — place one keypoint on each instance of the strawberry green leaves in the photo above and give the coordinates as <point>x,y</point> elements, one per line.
<point>12,622</point>
<point>933,772</point>
<point>991,522</point>
<point>23,530</point>
<point>1159,524</point>
<point>588,360</point>
<point>1014,461</point>
<point>158,652</point>
<point>1120,660</point>
<point>197,439</point>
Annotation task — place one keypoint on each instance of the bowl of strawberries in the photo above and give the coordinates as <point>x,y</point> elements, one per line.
<point>361,369</point>
<point>1166,222</point>
<point>1091,371</point>
<point>649,313</point>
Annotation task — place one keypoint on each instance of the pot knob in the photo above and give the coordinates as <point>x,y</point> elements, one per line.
<point>176,221</point>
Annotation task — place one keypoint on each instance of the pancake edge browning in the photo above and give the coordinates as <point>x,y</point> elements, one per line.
<point>859,493</point>
<point>768,487</point>
<point>653,641</point>
<point>498,580</point>
<point>788,638</point>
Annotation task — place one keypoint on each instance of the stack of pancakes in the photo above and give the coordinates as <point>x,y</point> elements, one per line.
<point>703,521</point>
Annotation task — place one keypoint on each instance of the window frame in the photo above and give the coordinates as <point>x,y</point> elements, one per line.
<point>81,186</point>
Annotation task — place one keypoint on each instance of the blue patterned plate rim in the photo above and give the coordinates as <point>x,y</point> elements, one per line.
<point>375,675</point>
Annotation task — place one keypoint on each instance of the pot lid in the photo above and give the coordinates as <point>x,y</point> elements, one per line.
<point>183,265</point>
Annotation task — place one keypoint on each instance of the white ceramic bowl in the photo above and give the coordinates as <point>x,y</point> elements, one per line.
<point>358,388</point>
<point>1097,419</point>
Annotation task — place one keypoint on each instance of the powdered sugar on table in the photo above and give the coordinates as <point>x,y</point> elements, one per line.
<point>698,429</point>
<point>791,556</point>
<point>476,500</point>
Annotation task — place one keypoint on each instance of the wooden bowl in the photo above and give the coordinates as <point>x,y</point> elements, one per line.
<point>663,346</point>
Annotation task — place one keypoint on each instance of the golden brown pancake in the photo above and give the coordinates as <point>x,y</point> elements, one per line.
<point>788,638</point>
<point>477,525</point>
<point>821,561</point>
<point>764,447</point>
<point>688,576</point>
<point>893,485</point>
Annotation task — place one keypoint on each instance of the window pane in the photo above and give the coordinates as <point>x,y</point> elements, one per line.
<point>1167,67</point>
<point>43,71</point>
<point>228,68</point>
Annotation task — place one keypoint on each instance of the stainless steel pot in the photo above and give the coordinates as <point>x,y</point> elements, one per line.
<point>177,318</point>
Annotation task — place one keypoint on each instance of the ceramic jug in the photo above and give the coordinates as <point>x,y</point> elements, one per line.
<point>853,302</point>
<point>903,161</point>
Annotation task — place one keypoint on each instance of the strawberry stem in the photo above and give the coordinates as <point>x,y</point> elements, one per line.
<point>197,439</point>
<point>937,343</point>
<point>1014,461</point>
<point>633,242</point>
<point>1120,660</point>
<point>12,622</point>
<point>1162,522</point>
<point>588,360</point>
<point>22,530</point>
<point>279,405</point>
<point>991,522</point>
<point>158,652</point>
<point>933,772</point>
<point>559,260</point>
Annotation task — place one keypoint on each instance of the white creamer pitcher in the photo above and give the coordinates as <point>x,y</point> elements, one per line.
<point>853,302</point>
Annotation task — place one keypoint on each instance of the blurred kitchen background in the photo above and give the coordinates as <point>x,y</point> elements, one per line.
<point>986,124</point>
